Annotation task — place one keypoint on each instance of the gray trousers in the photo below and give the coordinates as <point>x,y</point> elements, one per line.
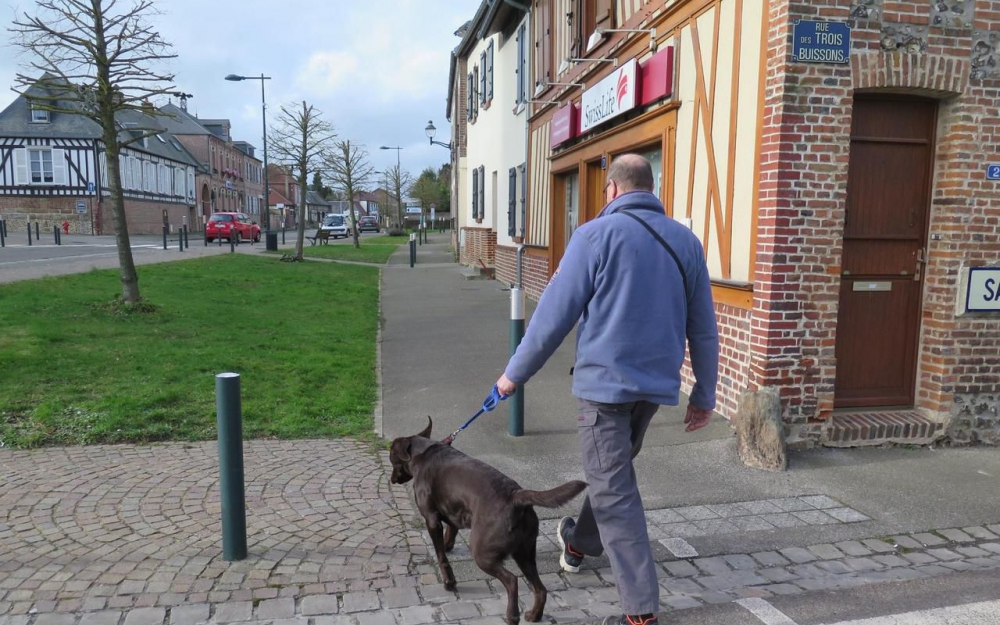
<point>612,517</point>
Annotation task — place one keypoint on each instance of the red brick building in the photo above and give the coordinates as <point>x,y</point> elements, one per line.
<point>834,159</point>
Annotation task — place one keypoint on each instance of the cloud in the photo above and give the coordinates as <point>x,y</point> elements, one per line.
<point>329,73</point>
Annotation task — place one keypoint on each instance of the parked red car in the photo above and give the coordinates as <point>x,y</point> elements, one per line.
<point>229,225</point>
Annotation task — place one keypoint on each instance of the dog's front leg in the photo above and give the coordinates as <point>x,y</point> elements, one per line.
<point>437,537</point>
<point>450,534</point>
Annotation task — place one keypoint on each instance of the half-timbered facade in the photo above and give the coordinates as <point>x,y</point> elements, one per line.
<point>833,158</point>
<point>53,170</point>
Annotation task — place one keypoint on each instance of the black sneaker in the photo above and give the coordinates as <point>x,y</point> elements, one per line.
<point>643,619</point>
<point>570,559</point>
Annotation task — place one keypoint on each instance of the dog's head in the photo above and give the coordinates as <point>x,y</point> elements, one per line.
<point>400,455</point>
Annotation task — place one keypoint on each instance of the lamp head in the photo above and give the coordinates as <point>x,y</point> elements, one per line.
<point>235,78</point>
<point>430,130</point>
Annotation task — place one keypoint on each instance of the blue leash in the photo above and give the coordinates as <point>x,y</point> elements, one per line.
<point>488,405</point>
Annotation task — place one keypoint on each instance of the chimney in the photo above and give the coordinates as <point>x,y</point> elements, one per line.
<point>147,107</point>
<point>184,102</point>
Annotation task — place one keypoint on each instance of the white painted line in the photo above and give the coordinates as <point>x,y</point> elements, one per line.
<point>984,473</point>
<point>984,613</point>
<point>767,613</point>
<point>679,547</point>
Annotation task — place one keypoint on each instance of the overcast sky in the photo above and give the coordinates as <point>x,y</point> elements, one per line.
<point>377,69</point>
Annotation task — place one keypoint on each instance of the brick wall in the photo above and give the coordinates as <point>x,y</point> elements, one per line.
<point>534,270</point>
<point>480,244</point>
<point>46,211</point>
<point>144,217</point>
<point>906,47</point>
<point>734,358</point>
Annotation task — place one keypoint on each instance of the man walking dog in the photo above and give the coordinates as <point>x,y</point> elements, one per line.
<point>637,283</point>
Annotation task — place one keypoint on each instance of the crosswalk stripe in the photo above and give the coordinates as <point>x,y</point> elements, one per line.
<point>767,613</point>
<point>983,613</point>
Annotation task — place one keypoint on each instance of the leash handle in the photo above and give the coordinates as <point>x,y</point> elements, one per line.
<point>489,404</point>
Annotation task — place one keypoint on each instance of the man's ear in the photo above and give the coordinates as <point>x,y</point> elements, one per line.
<point>427,431</point>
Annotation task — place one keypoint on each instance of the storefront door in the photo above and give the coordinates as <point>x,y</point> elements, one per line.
<point>888,189</point>
<point>571,205</point>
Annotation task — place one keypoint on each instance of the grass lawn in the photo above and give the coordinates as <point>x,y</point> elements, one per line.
<point>302,336</point>
<point>373,251</point>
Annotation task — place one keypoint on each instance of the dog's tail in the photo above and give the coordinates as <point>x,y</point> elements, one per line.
<point>549,498</point>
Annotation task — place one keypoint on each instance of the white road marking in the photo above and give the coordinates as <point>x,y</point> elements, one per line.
<point>679,547</point>
<point>983,613</point>
<point>984,473</point>
<point>767,613</point>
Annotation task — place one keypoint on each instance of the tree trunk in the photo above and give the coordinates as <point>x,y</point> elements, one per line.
<point>349,164</point>
<point>129,277</point>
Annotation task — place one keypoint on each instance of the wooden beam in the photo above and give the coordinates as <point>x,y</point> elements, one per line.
<point>727,252</point>
<point>713,170</point>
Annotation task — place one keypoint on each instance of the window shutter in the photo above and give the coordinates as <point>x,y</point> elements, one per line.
<point>59,167</point>
<point>524,197</point>
<point>489,66</point>
<point>21,166</point>
<point>469,94</point>
<point>482,192</point>
<point>475,193</point>
<point>604,19</point>
<point>475,84</point>
<point>519,69</point>
<point>190,187</point>
<point>482,78</point>
<point>512,202</point>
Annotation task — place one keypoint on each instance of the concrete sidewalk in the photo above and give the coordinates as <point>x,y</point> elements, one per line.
<point>445,342</point>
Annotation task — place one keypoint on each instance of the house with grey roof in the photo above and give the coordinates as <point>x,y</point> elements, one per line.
<point>230,176</point>
<point>53,170</point>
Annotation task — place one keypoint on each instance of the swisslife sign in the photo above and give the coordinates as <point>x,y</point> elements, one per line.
<point>614,95</point>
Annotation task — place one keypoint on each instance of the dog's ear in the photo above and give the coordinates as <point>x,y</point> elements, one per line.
<point>401,449</point>
<point>427,431</point>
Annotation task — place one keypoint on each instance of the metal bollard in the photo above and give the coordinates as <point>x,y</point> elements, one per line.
<point>232,243</point>
<point>3,227</point>
<point>38,237</point>
<point>515,418</point>
<point>29,235</point>
<point>413,250</point>
<point>180,240</point>
<point>204,236</point>
<point>55,234</point>
<point>187,241</point>
<point>3,234</point>
<point>283,235</point>
<point>164,237</point>
<point>231,482</point>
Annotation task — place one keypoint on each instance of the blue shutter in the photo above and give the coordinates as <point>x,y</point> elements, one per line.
<point>489,79</point>
<point>475,193</point>
<point>524,197</point>
<point>482,192</point>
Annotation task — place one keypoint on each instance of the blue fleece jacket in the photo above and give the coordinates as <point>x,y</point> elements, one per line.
<point>628,296</point>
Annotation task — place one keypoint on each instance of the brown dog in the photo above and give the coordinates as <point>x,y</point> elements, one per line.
<point>458,492</point>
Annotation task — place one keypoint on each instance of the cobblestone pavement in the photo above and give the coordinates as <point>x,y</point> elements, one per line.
<point>122,535</point>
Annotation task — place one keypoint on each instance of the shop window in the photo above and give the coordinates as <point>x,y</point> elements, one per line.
<point>655,157</point>
<point>572,204</point>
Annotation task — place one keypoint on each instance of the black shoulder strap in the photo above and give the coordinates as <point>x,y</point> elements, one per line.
<point>666,246</point>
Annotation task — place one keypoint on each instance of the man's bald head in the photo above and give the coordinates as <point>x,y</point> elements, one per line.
<point>631,172</point>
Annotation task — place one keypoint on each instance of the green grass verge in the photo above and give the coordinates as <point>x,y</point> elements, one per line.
<point>302,336</point>
<point>369,252</point>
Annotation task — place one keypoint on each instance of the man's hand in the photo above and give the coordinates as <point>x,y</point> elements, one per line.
<point>696,418</point>
<point>505,386</point>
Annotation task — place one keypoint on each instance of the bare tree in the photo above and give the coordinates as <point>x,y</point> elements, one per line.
<point>299,140</point>
<point>97,58</point>
<point>349,171</point>
<point>399,180</point>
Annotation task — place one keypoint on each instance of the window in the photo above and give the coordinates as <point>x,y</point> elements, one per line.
<point>482,79</point>
<point>135,183</point>
<point>179,179</point>
<point>41,166</point>
<point>163,179</point>
<point>521,70</point>
<point>39,115</point>
<point>489,73</point>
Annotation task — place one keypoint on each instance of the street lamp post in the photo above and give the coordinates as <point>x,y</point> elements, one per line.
<point>399,176</point>
<point>430,131</point>
<point>263,115</point>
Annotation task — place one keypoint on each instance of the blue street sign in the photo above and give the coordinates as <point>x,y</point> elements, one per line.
<point>821,42</point>
<point>90,187</point>
<point>993,172</point>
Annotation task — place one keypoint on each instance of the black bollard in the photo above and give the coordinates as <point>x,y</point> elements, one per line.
<point>282,235</point>
<point>180,240</point>
<point>3,234</point>
<point>231,479</point>
<point>3,227</point>
<point>164,237</point>
<point>232,242</point>
<point>55,234</point>
<point>29,235</point>
<point>38,236</point>
<point>187,241</point>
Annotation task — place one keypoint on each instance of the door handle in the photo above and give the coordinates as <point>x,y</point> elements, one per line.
<point>921,261</point>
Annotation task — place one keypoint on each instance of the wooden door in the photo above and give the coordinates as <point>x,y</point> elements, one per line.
<point>888,189</point>
<point>594,198</point>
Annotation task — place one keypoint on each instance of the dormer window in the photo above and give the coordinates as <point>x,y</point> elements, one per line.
<point>39,115</point>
